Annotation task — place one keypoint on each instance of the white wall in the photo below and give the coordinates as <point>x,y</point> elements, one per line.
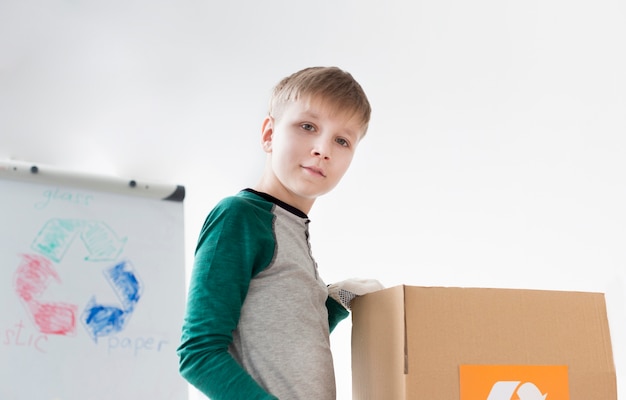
<point>495,157</point>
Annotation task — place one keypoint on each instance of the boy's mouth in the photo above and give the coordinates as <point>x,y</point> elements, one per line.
<point>315,170</point>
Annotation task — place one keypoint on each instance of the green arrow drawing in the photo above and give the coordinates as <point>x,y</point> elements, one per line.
<point>57,236</point>
<point>101,242</point>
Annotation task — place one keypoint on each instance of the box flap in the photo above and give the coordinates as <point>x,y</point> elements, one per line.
<point>379,319</point>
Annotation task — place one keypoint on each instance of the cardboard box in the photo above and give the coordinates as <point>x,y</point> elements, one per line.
<point>411,342</point>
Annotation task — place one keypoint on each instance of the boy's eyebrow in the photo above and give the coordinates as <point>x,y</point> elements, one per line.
<point>310,113</point>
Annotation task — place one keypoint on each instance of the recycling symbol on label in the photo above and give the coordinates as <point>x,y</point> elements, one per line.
<point>507,390</point>
<point>37,271</point>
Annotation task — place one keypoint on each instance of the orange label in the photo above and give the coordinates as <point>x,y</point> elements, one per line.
<point>514,382</point>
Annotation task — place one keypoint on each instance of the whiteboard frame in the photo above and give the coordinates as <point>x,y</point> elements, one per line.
<point>38,173</point>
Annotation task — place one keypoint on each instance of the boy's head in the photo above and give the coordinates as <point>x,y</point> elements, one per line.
<point>316,119</point>
<point>331,85</point>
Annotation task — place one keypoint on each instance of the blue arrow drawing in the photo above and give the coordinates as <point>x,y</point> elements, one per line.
<point>124,280</point>
<point>102,320</point>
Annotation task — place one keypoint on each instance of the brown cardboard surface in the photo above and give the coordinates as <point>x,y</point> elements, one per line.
<point>381,322</point>
<point>408,342</point>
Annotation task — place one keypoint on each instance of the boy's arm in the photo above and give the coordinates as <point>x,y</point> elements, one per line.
<point>341,294</point>
<point>336,313</point>
<point>223,267</point>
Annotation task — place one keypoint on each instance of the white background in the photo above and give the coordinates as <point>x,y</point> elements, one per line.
<point>495,155</point>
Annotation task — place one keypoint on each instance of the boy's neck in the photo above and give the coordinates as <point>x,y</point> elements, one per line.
<point>278,202</point>
<point>281,193</point>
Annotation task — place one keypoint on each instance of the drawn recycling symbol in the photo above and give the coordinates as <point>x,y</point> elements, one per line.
<point>37,271</point>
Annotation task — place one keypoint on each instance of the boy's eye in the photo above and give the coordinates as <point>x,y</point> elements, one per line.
<point>307,127</point>
<point>343,142</point>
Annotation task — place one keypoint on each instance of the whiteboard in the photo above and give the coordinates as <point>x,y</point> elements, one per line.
<point>92,287</point>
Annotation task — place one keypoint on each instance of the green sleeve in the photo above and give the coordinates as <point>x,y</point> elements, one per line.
<point>234,245</point>
<point>336,312</point>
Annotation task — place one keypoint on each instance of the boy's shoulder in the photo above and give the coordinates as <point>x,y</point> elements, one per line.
<point>244,201</point>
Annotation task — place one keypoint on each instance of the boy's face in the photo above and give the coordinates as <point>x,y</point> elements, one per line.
<point>310,147</point>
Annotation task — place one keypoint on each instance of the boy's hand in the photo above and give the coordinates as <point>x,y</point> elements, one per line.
<point>347,290</point>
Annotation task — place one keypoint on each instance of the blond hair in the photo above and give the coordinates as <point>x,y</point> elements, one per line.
<point>332,85</point>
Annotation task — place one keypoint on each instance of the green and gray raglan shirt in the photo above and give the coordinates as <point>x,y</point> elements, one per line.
<point>258,315</point>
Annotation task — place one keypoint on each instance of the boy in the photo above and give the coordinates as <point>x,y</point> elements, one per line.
<point>258,315</point>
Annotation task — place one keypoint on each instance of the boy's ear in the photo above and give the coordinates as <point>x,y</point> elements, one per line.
<point>267,131</point>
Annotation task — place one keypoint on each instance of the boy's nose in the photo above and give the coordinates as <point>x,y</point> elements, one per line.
<point>321,149</point>
<point>318,154</point>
